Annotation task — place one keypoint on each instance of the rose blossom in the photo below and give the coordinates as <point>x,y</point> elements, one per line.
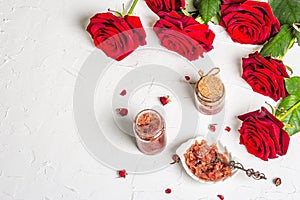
<point>262,134</point>
<point>250,22</point>
<point>165,5</point>
<point>265,75</point>
<point>116,36</point>
<point>183,34</point>
<point>232,1</point>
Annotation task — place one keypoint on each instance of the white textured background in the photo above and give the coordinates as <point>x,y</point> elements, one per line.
<point>43,44</point>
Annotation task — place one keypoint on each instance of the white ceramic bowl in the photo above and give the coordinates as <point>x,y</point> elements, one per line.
<point>185,146</point>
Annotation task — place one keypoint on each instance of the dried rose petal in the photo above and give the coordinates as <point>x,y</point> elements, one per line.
<point>221,197</point>
<point>175,159</point>
<point>164,100</point>
<point>123,93</point>
<point>277,181</point>
<point>212,127</point>
<point>168,191</point>
<point>122,111</point>
<point>187,78</point>
<point>227,128</point>
<point>122,173</point>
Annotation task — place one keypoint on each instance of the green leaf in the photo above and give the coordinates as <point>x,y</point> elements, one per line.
<point>296,33</point>
<point>208,9</point>
<point>288,112</point>
<point>280,43</point>
<point>292,85</point>
<point>297,36</point>
<point>287,11</point>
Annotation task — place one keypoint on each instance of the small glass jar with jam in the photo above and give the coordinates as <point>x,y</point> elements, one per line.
<point>149,130</point>
<point>209,93</point>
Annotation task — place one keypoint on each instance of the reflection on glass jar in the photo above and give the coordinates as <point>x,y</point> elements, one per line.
<point>209,95</point>
<point>149,129</point>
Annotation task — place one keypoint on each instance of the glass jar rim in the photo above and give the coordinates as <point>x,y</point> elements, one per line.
<point>161,126</point>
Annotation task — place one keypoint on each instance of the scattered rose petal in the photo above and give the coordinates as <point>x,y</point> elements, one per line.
<point>221,197</point>
<point>168,191</point>
<point>123,93</point>
<point>164,100</point>
<point>212,127</point>
<point>122,111</point>
<point>187,78</point>
<point>227,128</point>
<point>277,181</point>
<point>175,159</point>
<point>122,173</point>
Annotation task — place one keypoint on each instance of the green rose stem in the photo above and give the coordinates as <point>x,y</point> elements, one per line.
<point>186,13</point>
<point>123,9</point>
<point>130,12</point>
<point>117,13</point>
<point>122,14</point>
<point>290,46</point>
<point>272,108</point>
<point>289,111</point>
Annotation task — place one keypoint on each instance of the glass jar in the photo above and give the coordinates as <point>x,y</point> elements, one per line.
<point>209,94</point>
<point>149,130</point>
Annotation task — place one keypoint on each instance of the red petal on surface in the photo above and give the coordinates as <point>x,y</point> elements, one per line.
<point>168,191</point>
<point>212,127</point>
<point>227,128</point>
<point>123,93</point>
<point>164,100</point>
<point>122,111</point>
<point>122,173</point>
<point>175,159</point>
<point>277,181</point>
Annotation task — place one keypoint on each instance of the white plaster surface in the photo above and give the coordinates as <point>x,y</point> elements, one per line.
<point>43,45</point>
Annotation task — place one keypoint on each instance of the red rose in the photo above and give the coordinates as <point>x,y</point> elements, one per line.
<point>262,134</point>
<point>165,5</point>
<point>265,75</point>
<point>251,22</point>
<point>232,1</point>
<point>183,34</point>
<point>116,36</point>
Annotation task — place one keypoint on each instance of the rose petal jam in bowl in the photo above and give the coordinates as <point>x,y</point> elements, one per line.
<point>205,163</point>
<point>150,132</point>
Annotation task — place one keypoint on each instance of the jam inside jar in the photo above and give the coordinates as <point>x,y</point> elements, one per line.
<point>149,130</point>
